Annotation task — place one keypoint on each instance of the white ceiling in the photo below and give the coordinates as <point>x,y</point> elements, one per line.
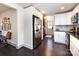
<point>50,8</point>
<point>4,8</point>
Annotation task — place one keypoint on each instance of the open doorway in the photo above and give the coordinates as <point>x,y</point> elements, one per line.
<point>8,23</point>
<point>49,23</point>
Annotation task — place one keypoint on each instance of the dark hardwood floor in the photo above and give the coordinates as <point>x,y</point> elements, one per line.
<point>46,48</point>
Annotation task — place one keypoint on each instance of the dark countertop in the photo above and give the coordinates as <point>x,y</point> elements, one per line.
<point>74,34</point>
<point>61,31</point>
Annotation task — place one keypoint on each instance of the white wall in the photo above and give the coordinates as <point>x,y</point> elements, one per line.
<point>28,12</point>
<point>13,18</point>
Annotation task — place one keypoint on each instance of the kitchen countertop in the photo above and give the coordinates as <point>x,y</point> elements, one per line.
<point>74,34</point>
<point>61,31</point>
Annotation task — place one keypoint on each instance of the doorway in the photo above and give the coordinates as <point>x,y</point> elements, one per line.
<point>49,21</point>
<point>8,23</point>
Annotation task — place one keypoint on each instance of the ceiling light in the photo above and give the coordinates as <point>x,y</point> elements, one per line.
<point>43,12</point>
<point>62,8</point>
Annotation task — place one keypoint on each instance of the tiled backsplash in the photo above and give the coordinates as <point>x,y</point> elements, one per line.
<point>63,27</point>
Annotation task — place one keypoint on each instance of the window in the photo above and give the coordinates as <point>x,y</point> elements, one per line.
<point>50,25</point>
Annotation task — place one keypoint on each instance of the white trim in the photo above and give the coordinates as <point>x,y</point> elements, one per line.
<point>12,44</point>
<point>18,47</point>
<point>27,46</point>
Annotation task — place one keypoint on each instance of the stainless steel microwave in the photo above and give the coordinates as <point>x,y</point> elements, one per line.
<point>75,18</point>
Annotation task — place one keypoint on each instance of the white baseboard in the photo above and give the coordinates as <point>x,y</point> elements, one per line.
<point>23,45</point>
<point>18,47</point>
<point>29,47</point>
<point>12,44</point>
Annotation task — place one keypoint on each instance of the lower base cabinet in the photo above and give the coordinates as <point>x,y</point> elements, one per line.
<point>59,37</point>
<point>73,48</point>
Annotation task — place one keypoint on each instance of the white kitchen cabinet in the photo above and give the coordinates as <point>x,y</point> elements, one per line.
<point>74,48</point>
<point>59,37</point>
<point>60,19</point>
<point>63,19</point>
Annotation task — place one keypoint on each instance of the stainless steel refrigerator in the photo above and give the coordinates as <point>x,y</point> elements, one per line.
<point>37,30</point>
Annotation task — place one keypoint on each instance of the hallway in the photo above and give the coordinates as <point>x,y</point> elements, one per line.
<point>47,48</point>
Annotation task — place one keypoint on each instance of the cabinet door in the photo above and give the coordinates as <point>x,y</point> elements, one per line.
<point>60,19</point>
<point>63,19</point>
<point>59,37</point>
<point>57,20</point>
<point>62,37</point>
<point>56,36</point>
<point>73,48</point>
<point>77,50</point>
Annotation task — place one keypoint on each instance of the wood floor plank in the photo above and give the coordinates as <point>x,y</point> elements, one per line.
<point>46,48</point>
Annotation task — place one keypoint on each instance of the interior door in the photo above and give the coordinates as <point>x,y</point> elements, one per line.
<point>37,24</point>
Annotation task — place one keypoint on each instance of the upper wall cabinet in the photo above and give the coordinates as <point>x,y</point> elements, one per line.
<point>60,19</point>
<point>63,19</point>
